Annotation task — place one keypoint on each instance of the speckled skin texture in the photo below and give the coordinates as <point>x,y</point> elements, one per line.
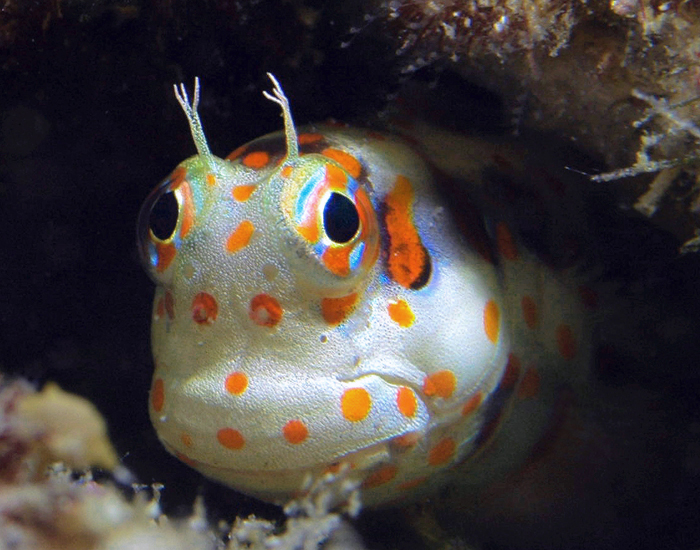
<point>291,335</point>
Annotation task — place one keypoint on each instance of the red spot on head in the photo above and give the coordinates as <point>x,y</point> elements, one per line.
<point>335,310</point>
<point>204,309</point>
<point>295,432</point>
<point>230,438</point>
<point>265,310</point>
<point>256,159</point>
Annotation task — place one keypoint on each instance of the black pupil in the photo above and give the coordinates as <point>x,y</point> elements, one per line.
<point>340,218</point>
<point>163,217</point>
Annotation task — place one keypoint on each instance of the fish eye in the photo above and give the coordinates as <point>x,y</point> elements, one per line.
<point>341,220</point>
<point>162,219</point>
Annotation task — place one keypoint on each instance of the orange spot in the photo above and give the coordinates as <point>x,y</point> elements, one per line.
<point>491,321</point>
<point>286,171</point>
<point>401,313</point>
<point>305,139</point>
<point>242,193</point>
<point>204,309</point>
<point>240,237</point>
<point>186,439</point>
<point>158,395</point>
<point>442,452</point>
<point>160,308</point>
<point>186,459</point>
<point>337,260</point>
<point>211,179</point>
<point>355,404</point>
<point>530,384</point>
<point>187,208</point>
<point>512,372</point>
<point>441,384</point>
<point>406,441</point>
<point>166,254</point>
<point>505,243</point>
<point>566,342</point>
<point>256,159</point>
<point>230,438</point>
<point>529,308</point>
<point>406,401</point>
<point>295,432</point>
<point>408,262</point>
<point>335,310</point>
<point>589,297</point>
<point>381,476</point>
<point>233,155</point>
<point>335,178</point>
<point>472,404</point>
<point>351,164</point>
<point>265,310</point>
<point>309,232</point>
<point>412,484</point>
<point>236,383</point>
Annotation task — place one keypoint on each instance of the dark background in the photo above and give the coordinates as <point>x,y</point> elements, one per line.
<point>89,125</point>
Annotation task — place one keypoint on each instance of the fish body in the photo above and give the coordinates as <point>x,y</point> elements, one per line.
<point>320,301</point>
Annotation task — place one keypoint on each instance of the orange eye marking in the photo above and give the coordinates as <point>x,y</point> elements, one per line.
<point>408,262</point>
<point>401,313</point>
<point>381,476</point>
<point>265,310</point>
<point>305,139</point>
<point>256,159</point>
<point>240,237</point>
<point>236,383</point>
<point>242,193</point>
<point>158,395</point>
<point>472,404</point>
<point>351,164</point>
<point>204,309</point>
<point>406,401</point>
<point>530,384</point>
<point>336,179</point>
<point>337,260</point>
<point>442,452</point>
<point>166,254</point>
<point>309,232</point>
<point>187,209</point>
<point>505,242</point>
<point>286,171</point>
<point>355,404</point>
<point>230,438</point>
<point>295,432</point>
<point>233,155</point>
<point>186,439</point>
<point>529,308</point>
<point>335,310</point>
<point>492,318</point>
<point>566,342</point>
<point>211,179</point>
<point>440,384</point>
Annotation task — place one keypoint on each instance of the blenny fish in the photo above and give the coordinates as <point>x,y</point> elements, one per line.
<point>321,301</point>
